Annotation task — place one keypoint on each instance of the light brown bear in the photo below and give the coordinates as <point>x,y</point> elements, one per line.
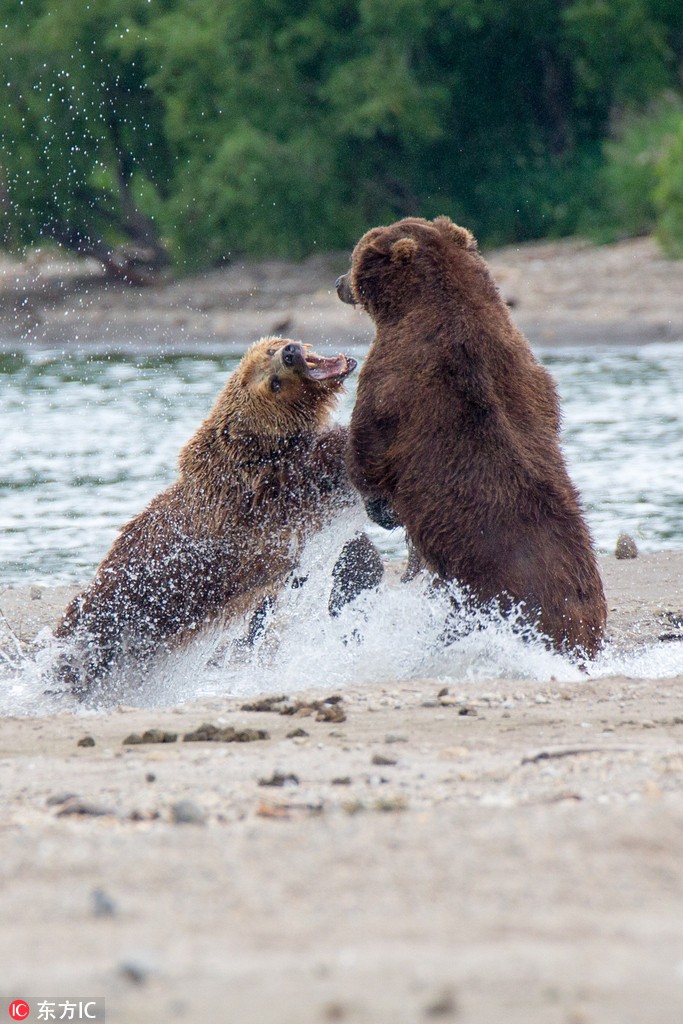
<point>455,433</point>
<point>263,472</point>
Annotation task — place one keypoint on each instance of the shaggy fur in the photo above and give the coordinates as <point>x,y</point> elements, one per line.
<point>455,432</point>
<point>262,473</point>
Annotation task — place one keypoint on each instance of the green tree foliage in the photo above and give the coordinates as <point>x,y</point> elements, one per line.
<point>80,136</point>
<point>277,126</point>
<point>630,176</point>
<point>668,194</point>
<point>640,185</point>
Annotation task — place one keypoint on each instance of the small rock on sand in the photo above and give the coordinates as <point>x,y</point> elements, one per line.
<point>626,547</point>
<point>187,812</point>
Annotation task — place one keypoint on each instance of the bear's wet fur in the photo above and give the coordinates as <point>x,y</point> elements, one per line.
<point>263,472</point>
<point>455,433</point>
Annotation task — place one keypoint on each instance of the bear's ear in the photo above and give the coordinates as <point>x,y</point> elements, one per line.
<point>403,250</point>
<point>461,236</point>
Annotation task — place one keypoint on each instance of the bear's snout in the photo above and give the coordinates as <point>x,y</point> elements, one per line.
<point>289,354</point>
<point>344,290</point>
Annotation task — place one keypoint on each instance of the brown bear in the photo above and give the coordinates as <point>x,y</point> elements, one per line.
<point>263,472</point>
<point>455,433</point>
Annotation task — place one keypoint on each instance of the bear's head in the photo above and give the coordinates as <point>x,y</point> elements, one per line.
<point>281,388</point>
<point>388,262</point>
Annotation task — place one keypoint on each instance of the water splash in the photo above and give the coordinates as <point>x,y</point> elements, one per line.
<point>647,661</point>
<point>395,632</point>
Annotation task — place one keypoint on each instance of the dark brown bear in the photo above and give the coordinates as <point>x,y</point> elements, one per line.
<point>455,432</point>
<point>262,473</point>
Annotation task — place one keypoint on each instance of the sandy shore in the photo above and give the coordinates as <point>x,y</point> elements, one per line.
<point>501,852</point>
<point>560,293</point>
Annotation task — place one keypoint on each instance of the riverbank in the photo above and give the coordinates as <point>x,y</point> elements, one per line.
<point>560,293</point>
<point>469,852</point>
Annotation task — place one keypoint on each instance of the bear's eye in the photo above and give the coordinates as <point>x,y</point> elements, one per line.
<point>270,352</point>
<point>275,384</point>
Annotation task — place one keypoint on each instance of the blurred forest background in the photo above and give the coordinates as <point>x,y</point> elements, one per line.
<point>199,129</point>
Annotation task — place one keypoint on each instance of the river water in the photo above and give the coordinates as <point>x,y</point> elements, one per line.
<point>87,440</point>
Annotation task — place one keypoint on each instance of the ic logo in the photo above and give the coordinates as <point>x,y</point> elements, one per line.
<point>19,1009</point>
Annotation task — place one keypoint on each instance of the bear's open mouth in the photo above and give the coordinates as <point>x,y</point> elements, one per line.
<point>333,368</point>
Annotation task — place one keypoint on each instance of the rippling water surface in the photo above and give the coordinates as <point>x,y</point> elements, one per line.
<point>87,440</point>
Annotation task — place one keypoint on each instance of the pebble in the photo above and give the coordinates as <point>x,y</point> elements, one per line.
<point>333,713</point>
<point>86,741</point>
<point>208,733</point>
<point>151,736</point>
<point>84,808</point>
<point>442,1005</point>
<point>388,804</point>
<point>334,1011</point>
<point>136,970</point>
<point>626,547</point>
<point>60,798</point>
<point>382,759</point>
<point>149,815</point>
<point>280,779</point>
<point>187,812</point>
<point>102,904</point>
